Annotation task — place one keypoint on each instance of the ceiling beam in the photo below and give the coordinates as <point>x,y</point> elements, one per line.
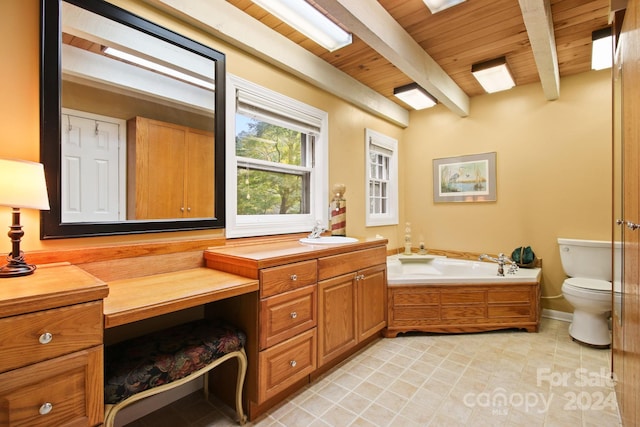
<point>539,24</point>
<point>373,24</point>
<point>230,24</point>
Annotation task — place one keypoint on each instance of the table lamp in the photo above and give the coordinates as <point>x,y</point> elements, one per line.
<point>22,185</point>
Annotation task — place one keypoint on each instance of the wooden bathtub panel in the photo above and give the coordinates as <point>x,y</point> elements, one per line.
<point>416,297</point>
<point>410,314</point>
<point>463,308</point>
<point>464,312</point>
<point>454,296</point>
<point>512,311</point>
<point>521,294</point>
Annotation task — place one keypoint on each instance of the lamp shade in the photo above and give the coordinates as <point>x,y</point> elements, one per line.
<point>22,185</point>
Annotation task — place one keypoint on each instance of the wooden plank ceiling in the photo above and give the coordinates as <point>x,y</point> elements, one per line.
<point>456,38</point>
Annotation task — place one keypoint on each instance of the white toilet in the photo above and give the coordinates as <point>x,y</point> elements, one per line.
<point>588,288</point>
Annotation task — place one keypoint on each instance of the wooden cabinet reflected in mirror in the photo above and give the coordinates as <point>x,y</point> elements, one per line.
<point>132,124</point>
<point>170,170</point>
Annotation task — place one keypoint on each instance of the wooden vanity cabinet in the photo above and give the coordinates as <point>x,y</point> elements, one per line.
<point>352,306</point>
<point>51,353</point>
<point>170,171</point>
<point>316,304</point>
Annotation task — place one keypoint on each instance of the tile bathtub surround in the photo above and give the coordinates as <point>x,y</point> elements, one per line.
<point>508,378</point>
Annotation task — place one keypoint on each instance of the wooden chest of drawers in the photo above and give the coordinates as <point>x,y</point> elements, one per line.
<point>288,320</point>
<point>51,363</point>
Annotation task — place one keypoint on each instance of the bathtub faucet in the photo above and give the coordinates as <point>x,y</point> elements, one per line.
<point>501,260</point>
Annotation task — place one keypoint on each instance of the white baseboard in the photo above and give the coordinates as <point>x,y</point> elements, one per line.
<point>155,402</point>
<point>557,315</point>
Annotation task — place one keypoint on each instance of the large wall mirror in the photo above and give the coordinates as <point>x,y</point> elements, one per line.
<point>132,124</point>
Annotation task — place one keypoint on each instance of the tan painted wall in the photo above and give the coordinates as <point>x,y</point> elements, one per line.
<point>20,118</point>
<point>553,172</point>
<point>553,157</point>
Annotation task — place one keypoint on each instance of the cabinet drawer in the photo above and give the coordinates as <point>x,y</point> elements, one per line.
<point>285,278</point>
<point>23,340</point>
<point>337,265</point>
<point>288,314</point>
<point>71,385</point>
<point>286,363</point>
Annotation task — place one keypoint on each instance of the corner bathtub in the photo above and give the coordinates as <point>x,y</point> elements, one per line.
<point>439,294</point>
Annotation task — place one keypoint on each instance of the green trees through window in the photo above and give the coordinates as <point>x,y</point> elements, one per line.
<point>273,168</point>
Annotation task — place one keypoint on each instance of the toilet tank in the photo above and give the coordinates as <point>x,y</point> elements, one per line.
<point>586,258</point>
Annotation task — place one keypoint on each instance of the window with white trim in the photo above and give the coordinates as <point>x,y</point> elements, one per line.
<point>382,179</point>
<point>276,162</point>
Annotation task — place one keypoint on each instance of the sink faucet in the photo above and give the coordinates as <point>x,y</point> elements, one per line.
<point>501,260</point>
<point>316,231</point>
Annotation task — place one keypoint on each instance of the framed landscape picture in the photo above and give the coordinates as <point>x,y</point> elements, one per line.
<point>470,178</point>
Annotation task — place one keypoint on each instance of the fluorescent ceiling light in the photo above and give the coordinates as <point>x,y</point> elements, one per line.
<point>494,75</point>
<point>436,6</point>
<point>158,68</point>
<point>415,96</point>
<point>601,49</point>
<point>309,21</point>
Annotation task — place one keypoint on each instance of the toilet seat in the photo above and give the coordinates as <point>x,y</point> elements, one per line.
<point>591,285</point>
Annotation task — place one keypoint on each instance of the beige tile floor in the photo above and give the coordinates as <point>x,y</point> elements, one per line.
<point>508,378</point>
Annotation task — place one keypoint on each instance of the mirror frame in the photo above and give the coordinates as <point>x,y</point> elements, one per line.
<point>51,226</point>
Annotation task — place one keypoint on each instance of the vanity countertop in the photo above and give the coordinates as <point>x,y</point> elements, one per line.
<point>257,256</point>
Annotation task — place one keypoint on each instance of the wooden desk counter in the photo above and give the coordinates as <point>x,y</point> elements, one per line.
<point>50,286</point>
<point>140,298</point>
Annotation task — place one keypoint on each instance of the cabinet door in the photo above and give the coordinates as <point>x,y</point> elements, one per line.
<point>166,171</point>
<point>336,317</point>
<point>372,300</point>
<point>155,172</point>
<point>199,175</point>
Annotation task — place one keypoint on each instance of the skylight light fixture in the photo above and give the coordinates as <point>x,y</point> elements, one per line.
<point>493,75</point>
<point>436,6</point>
<point>601,49</point>
<point>158,68</point>
<point>415,96</point>
<point>309,21</point>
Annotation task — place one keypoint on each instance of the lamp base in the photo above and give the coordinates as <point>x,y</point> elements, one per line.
<point>16,267</point>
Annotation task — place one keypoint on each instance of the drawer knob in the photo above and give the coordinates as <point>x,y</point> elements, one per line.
<point>45,338</point>
<point>293,363</point>
<point>293,314</point>
<point>294,277</point>
<point>45,408</point>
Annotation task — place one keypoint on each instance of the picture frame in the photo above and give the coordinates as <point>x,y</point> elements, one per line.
<point>469,178</point>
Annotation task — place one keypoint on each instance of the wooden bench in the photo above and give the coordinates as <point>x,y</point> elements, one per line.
<point>156,362</point>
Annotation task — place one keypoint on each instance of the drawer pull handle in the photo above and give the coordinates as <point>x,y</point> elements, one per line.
<point>293,314</point>
<point>45,408</point>
<point>294,277</point>
<point>631,226</point>
<point>45,338</point>
<point>293,363</point>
